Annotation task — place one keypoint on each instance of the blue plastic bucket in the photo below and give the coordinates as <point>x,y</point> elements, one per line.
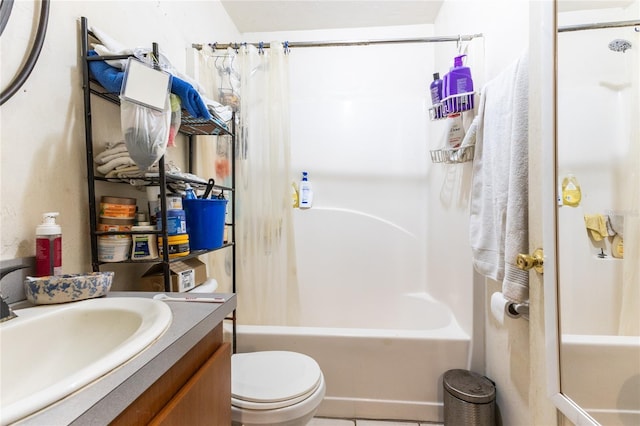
<point>205,222</point>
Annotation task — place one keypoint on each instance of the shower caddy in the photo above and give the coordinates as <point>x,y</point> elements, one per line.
<point>189,127</point>
<point>455,104</point>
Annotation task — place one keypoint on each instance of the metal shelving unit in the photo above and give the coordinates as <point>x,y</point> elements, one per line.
<point>190,127</point>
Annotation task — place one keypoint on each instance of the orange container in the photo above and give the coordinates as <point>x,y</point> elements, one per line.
<point>115,225</point>
<point>118,207</point>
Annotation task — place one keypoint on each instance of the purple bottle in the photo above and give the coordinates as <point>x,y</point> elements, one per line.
<point>436,89</point>
<point>459,80</point>
<point>456,82</point>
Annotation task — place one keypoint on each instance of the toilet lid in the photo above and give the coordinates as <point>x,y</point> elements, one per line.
<point>272,379</point>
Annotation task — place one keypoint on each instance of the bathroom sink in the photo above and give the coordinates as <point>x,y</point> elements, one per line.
<point>48,352</point>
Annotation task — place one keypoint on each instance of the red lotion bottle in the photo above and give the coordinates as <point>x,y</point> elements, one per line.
<point>48,246</point>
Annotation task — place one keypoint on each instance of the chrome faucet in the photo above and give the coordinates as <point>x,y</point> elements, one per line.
<point>6,313</point>
<point>5,310</point>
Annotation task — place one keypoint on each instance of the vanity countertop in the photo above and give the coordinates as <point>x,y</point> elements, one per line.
<point>101,401</point>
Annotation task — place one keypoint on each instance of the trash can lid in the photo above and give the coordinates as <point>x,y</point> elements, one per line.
<point>469,386</point>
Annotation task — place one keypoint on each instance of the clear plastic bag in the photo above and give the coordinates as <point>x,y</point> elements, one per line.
<point>146,132</point>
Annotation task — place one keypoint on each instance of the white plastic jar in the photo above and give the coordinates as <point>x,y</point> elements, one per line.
<point>144,246</point>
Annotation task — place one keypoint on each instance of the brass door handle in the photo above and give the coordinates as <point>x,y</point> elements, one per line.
<point>535,261</point>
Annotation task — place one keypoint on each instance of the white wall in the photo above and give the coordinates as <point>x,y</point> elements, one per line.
<point>360,128</point>
<point>42,126</point>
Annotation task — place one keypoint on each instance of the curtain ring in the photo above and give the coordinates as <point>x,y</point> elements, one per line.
<point>459,44</point>
<point>261,48</point>
<point>286,48</point>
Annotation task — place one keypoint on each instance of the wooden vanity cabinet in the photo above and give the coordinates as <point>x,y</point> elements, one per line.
<point>195,391</point>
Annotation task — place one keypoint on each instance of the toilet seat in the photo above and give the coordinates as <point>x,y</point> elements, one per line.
<point>270,380</point>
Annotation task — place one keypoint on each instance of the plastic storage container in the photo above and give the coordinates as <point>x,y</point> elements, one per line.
<point>114,249</point>
<point>469,399</point>
<point>176,222</point>
<point>144,246</point>
<point>205,222</point>
<point>178,246</point>
<point>117,207</point>
<point>115,225</point>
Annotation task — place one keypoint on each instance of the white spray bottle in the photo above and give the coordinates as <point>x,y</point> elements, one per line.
<point>306,193</point>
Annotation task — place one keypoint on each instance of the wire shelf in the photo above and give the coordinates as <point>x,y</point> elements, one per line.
<point>454,104</point>
<point>453,155</point>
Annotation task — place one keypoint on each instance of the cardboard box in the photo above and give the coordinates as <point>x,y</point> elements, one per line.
<point>185,275</point>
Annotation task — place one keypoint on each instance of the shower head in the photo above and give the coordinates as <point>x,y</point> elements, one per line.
<point>619,45</point>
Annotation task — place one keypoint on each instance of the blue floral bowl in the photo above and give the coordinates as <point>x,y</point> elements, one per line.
<point>67,288</point>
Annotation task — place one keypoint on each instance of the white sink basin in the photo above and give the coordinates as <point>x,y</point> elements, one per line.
<point>48,352</point>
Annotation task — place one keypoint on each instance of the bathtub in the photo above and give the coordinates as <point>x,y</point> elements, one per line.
<point>612,363</point>
<point>388,363</point>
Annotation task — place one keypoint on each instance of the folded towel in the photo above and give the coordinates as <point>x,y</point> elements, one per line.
<point>114,164</point>
<point>596,226</point>
<point>498,223</point>
<point>109,154</point>
<point>108,158</point>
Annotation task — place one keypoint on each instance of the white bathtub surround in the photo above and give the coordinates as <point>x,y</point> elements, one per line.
<point>630,191</point>
<point>607,360</point>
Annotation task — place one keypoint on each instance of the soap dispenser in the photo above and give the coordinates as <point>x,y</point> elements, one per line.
<point>458,80</point>
<point>48,246</point>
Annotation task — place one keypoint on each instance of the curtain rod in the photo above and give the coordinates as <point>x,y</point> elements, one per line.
<point>596,26</point>
<point>348,42</point>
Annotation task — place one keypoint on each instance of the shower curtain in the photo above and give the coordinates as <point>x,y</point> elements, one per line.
<point>266,282</point>
<point>266,263</point>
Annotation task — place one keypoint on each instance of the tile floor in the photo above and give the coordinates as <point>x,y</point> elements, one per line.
<point>321,421</point>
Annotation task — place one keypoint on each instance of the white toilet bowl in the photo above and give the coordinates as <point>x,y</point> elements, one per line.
<point>275,388</point>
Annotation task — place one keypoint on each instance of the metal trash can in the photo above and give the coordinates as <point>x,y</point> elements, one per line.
<point>469,399</point>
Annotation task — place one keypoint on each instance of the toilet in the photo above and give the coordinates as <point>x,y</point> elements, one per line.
<point>275,388</point>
